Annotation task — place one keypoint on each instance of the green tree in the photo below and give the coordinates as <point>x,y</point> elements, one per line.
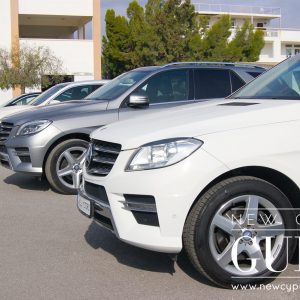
<point>170,30</point>
<point>115,45</point>
<point>247,44</point>
<point>26,67</point>
<point>175,27</point>
<point>215,40</point>
<point>140,34</point>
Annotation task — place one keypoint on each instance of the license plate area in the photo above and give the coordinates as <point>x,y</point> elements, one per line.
<point>84,205</point>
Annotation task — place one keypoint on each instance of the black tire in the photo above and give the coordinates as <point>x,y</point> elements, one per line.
<point>50,166</point>
<point>196,230</point>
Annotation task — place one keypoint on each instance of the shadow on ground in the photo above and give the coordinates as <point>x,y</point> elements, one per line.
<point>27,182</point>
<point>135,257</point>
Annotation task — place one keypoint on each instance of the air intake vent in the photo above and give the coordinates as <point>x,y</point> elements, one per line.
<point>96,192</point>
<point>5,129</point>
<point>104,156</point>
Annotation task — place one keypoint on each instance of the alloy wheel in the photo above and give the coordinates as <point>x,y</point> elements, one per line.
<point>249,219</point>
<point>69,166</point>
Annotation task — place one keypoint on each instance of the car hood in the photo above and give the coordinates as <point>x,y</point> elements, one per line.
<point>6,111</point>
<point>198,120</point>
<point>57,111</point>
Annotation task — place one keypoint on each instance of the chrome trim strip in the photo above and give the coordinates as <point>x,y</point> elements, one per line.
<point>137,206</point>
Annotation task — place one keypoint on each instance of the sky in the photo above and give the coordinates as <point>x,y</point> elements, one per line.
<point>290,9</point>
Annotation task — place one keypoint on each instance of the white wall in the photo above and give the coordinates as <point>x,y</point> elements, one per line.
<point>5,96</point>
<point>292,36</point>
<point>267,51</point>
<point>56,7</point>
<point>76,55</point>
<point>83,78</point>
<point>5,24</point>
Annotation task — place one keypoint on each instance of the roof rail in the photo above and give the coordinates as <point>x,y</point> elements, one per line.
<point>215,63</point>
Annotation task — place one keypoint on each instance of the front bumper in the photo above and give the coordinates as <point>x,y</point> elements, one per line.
<point>26,153</point>
<point>19,160</point>
<point>174,190</point>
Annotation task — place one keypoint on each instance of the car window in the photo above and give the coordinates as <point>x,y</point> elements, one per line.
<point>95,87</point>
<point>26,100</point>
<point>212,83</point>
<point>119,85</point>
<point>254,74</point>
<point>281,82</point>
<point>169,86</point>
<point>77,93</point>
<point>47,94</point>
<point>236,82</point>
<point>22,100</point>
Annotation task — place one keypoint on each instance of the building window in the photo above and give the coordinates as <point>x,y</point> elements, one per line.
<point>288,52</point>
<point>291,50</point>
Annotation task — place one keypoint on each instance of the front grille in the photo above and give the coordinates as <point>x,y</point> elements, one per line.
<point>5,129</point>
<point>104,156</point>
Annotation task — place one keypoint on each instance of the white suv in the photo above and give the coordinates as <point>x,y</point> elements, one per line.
<point>219,179</point>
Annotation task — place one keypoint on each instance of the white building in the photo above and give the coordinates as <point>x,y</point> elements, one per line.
<point>59,25</point>
<point>280,43</point>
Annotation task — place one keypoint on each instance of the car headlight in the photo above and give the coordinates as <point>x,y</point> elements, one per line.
<point>33,127</point>
<point>162,153</point>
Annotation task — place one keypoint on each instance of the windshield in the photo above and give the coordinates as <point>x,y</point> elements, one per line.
<point>9,102</point>
<point>281,82</point>
<point>118,86</point>
<point>45,95</point>
<point>22,100</point>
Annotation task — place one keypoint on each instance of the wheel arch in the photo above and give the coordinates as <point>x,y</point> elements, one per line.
<point>277,178</point>
<point>81,136</point>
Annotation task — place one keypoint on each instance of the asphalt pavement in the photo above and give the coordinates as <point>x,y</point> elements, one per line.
<point>48,250</point>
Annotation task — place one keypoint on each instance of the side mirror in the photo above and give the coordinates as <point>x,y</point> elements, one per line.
<point>53,102</point>
<point>138,101</point>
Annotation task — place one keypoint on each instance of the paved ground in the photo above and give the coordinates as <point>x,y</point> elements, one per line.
<point>48,250</point>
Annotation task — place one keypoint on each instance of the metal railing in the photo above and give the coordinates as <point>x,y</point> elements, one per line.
<point>241,9</point>
<point>271,32</point>
<point>268,32</point>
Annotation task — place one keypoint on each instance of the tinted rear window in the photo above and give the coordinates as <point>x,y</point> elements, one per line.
<point>212,83</point>
<point>236,81</point>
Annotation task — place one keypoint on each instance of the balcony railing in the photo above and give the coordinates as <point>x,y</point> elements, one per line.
<point>238,9</point>
<point>270,32</point>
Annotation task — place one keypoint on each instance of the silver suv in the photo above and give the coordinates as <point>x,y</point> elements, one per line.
<point>52,140</point>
